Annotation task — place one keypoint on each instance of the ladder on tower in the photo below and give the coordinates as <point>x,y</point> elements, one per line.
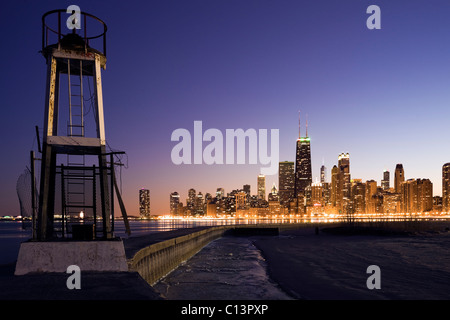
<point>74,201</point>
<point>75,176</point>
<point>76,116</point>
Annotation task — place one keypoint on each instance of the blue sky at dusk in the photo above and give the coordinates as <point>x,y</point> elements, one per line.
<point>381,95</point>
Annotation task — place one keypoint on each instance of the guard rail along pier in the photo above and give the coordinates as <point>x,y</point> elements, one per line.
<point>159,259</point>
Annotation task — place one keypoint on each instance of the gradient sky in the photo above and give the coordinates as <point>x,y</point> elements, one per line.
<point>381,95</point>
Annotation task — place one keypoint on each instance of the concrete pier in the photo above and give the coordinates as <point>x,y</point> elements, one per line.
<point>147,259</point>
<point>156,260</point>
<point>47,256</point>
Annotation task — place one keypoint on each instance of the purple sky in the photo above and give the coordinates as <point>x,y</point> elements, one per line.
<point>381,95</point>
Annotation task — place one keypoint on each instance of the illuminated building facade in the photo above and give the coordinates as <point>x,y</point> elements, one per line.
<point>371,191</point>
<point>220,193</point>
<point>417,195</point>
<point>241,201</point>
<point>343,193</point>
<point>317,194</point>
<point>144,203</point>
<point>446,187</point>
<point>261,187</point>
<point>359,197</point>
<point>191,202</point>
<point>385,182</point>
<point>199,207</point>
<point>274,201</point>
<point>334,182</point>
<point>286,178</point>
<point>323,170</point>
<point>326,186</point>
<point>437,204</point>
<point>303,173</point>
<point>211,208</point>
<point>391,202</point>
<point>399,178</point>
<point>425,195</point>
<point>174,203</point>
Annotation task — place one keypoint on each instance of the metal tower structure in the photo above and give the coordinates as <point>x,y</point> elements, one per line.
<point>76,194</point>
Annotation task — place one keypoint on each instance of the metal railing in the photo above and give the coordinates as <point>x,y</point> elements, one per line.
<point>57,32</point>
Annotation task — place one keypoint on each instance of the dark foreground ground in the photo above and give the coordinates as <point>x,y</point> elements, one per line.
<point>94,285</point>
<point>333,263</point>
<point>326,265</point>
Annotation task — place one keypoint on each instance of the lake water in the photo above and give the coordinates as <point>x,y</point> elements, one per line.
<point>12,233</point>
<point>11,236</point>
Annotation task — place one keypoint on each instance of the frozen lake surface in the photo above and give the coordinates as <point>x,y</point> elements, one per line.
<point>229,268</point>
<point>335,266</point>
<point>302,265</point>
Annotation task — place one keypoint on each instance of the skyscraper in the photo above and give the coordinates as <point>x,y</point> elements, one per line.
<point>399,178</point>
<point>286,174</point>
<point>199,204</point>
<point>191,201</point>
<point>417,195</point>
<point>334,182</point>
<point>241,200</point>
<point>174,203</point>
<point>273,195</point>
<point>343,192</point>
<point>303,172</point>
<point>322,173</point>
<point>220,193</point>
<point>391,202</point>
<point>385,182</point>
<point>425,195</point>
<point>359,197</point>
<point>370,196</point>
<point>446,187</point>
<point>326,194</point>
<point>262,187</point>
<point>144,203</point>
<point>317,194</point>
<point>409,196</point>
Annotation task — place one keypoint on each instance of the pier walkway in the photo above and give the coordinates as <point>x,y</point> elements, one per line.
<point>94,285</point>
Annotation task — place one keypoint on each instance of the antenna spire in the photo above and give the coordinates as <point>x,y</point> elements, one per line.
<point>306,125</point>
<point>299,124</point>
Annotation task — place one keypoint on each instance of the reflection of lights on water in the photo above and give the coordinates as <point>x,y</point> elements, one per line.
<point>322,217</point>
<point>316,216</point>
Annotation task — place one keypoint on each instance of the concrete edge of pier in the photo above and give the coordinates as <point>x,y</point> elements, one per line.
<point>149,258</point>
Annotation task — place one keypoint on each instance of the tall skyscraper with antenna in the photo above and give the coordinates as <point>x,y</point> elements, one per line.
<point>303,172</point>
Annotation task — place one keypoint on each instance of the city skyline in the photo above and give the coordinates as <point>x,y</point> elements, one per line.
<point>380,95</point>
<point>303,168</point>
<point>342,195</point>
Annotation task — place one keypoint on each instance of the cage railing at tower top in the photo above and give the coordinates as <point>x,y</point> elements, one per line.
<point>52,31</point>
